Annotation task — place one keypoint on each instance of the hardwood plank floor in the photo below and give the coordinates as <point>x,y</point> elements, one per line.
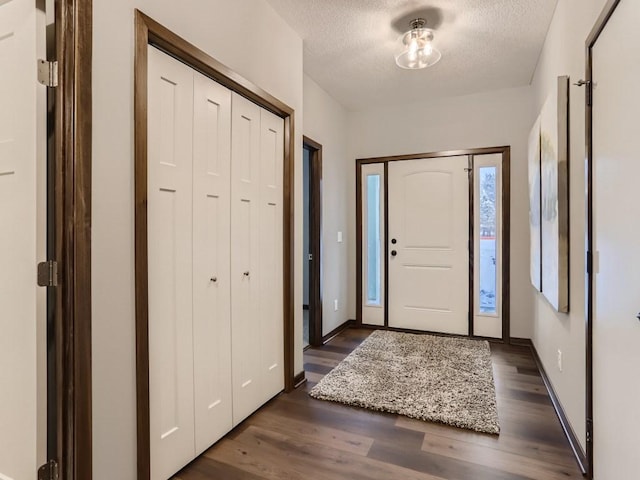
<point>296,437</point>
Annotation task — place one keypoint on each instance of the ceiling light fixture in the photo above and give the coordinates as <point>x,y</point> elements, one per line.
<point>417,49</point>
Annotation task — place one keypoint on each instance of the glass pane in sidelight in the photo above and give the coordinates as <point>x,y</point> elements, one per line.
<point>488,240</point>
<point>373,240</point>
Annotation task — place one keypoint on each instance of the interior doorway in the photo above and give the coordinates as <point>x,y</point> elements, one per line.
<point>312,243</point>
<point>612,326</point>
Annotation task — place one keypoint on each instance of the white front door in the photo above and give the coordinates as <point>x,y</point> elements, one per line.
<point>22,324</point>
<point>429,241</point>
<point>616,227</point>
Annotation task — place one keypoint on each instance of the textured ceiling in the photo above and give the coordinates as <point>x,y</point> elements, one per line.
<point>349,46</point>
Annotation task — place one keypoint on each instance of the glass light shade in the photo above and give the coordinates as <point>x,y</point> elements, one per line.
<point>417,49</point>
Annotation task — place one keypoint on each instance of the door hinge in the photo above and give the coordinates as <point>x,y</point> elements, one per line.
<point>589,431</point>
<point>48,73</point>
<point>48,471</point>
<point>48,274</point>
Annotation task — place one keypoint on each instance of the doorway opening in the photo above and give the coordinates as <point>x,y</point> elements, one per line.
<point>312,243</point>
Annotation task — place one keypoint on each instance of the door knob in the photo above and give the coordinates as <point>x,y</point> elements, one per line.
<point>214,279</point>
<point>246,274</point>
<point>394,241</point>
<point>393,253</point>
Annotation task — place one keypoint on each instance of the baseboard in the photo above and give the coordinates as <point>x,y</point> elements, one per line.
<point>521,342</point>
<point>299,380</point>
<point>337,330</point>
<point>574,443</point>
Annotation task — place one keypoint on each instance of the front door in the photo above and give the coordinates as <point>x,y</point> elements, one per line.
<point>429,244</point>
<point>22,243</point>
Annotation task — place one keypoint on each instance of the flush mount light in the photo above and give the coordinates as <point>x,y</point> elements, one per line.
<point>417,50</point>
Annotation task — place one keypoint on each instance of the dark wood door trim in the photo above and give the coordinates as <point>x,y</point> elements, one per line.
<point>315,240</point>
<point>150,32</point>
<point>505,151</point>
<point>597,30</point>
<point>72,238</point>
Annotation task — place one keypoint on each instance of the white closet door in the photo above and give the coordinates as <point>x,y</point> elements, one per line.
<point>245,241</point>
<point>211,261</point>
<point>170,133</point>
<point>271,254</point>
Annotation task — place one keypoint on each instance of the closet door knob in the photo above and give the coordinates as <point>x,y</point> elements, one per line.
<point>214,279</point>
<point>246,274</point>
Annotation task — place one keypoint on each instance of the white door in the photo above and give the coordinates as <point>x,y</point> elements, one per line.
<point>271,254</point>
<point>245,244</point>
<point>211,261</point>
<point>616,228</point>
<point>22,322</point>
<point>170,134</point>
<point>429,261</point>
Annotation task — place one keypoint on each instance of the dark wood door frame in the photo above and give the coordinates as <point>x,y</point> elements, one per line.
<point>149,32</point>
<point>315,240</point>
<point>593,37</point>
<point>505,151</point>
<point>71,414</point>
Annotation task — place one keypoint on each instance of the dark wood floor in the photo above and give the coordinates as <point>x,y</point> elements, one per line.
<point>297,437</point>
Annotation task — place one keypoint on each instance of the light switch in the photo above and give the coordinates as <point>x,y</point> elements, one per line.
<point>339,237</point>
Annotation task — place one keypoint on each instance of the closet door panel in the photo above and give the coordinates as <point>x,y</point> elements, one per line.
<point>271,254</point>
<point>211,261</point>
<point>245,249</point>
<point>170,114</point>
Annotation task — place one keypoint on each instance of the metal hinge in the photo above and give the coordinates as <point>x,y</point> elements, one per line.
<point>589,262</point>
<point>589,431</point>
<point>48,471</point>
<point>48,274</point>
<point>48,73</point>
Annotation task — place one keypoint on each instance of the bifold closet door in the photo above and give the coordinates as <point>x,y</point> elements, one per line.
<point>271,254</point>
<point>170,143</point>
<point>211,261</point>
<point>245,255</point>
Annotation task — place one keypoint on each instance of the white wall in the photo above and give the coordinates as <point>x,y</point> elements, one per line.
<point>325,121</point>
<point>564,54</point>
<point>272,59</point>
<point>484,120</point>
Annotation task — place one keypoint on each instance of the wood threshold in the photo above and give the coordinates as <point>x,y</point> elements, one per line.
<point>150,32</point>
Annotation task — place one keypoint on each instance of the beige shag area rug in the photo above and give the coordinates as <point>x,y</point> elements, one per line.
<point>439,379</point>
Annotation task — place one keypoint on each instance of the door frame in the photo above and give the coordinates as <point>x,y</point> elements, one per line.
<point>72,412</point>
<point>505,151</point>
<point>149,32</point>
<point>315,240</point>
<point>595,33</point>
